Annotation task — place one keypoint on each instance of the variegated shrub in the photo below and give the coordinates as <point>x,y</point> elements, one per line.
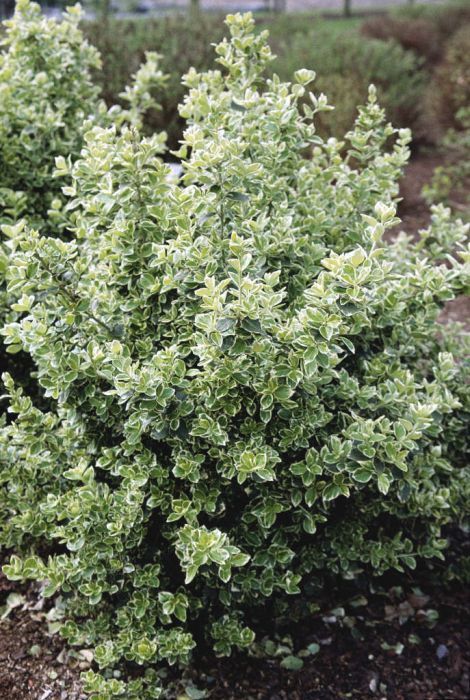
<point>248,387</point>
<point>46,93</point>
<point>47,103</point>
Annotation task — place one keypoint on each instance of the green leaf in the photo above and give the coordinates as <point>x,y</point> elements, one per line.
<point>331,492</point>
<point>292,663</point>
<point>313,648</point>
<point>383,483</point>
<point>362,475</point>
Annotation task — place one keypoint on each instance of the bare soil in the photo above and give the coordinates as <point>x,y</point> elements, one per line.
<point>387,660</point>
<point>34,665</point>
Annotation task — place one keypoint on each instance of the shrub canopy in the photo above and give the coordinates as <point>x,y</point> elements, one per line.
<point>46,94</point>
<point>248,388</point>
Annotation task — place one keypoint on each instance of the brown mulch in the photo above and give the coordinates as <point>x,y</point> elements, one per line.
<point>389,660</point>
<point>413,210</point>
<point>368,653</point>
<point>34,665</point>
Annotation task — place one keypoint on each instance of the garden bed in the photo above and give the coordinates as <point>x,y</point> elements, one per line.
<point>234,455</point>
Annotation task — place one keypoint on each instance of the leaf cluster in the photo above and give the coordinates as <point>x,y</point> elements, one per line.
<point>249,389</point>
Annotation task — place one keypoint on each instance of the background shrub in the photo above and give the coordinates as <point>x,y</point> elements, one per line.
<point>182,42</point>
<point>438,35</point>
<point>248,390</point>
<point>419,35</point>
<point>446,18</point>
<point>449,180</point>
<point>46,92</point>
<point>346,64</point>
<point>449,91</point>
<point>424,29</point>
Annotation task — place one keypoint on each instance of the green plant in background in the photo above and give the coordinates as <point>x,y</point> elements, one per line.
<point>447,17</point>
<point>181,41</point>
<point>47,103</point>
<point>418,34</point>
<point>424,28</point>
<point>345,62</point>
<point>249,391</point>
<point>46,93</point>
<point>448,101</point>
<point>449,90</point>
<point>347,65</point>
<point>438,34</point>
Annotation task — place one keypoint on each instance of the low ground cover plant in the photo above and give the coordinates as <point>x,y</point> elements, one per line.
<point>248,389</point>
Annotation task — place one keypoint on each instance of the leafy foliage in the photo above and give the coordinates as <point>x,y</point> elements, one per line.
<point>249,388</point>
<point>46,94</point>
<point>346,65</point>
<point>182,41</point>
<point>47,103</point>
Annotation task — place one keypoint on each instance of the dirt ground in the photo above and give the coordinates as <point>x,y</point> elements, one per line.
<point>391,661</point>
<point>34,665</point>
<point>398,645</point>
